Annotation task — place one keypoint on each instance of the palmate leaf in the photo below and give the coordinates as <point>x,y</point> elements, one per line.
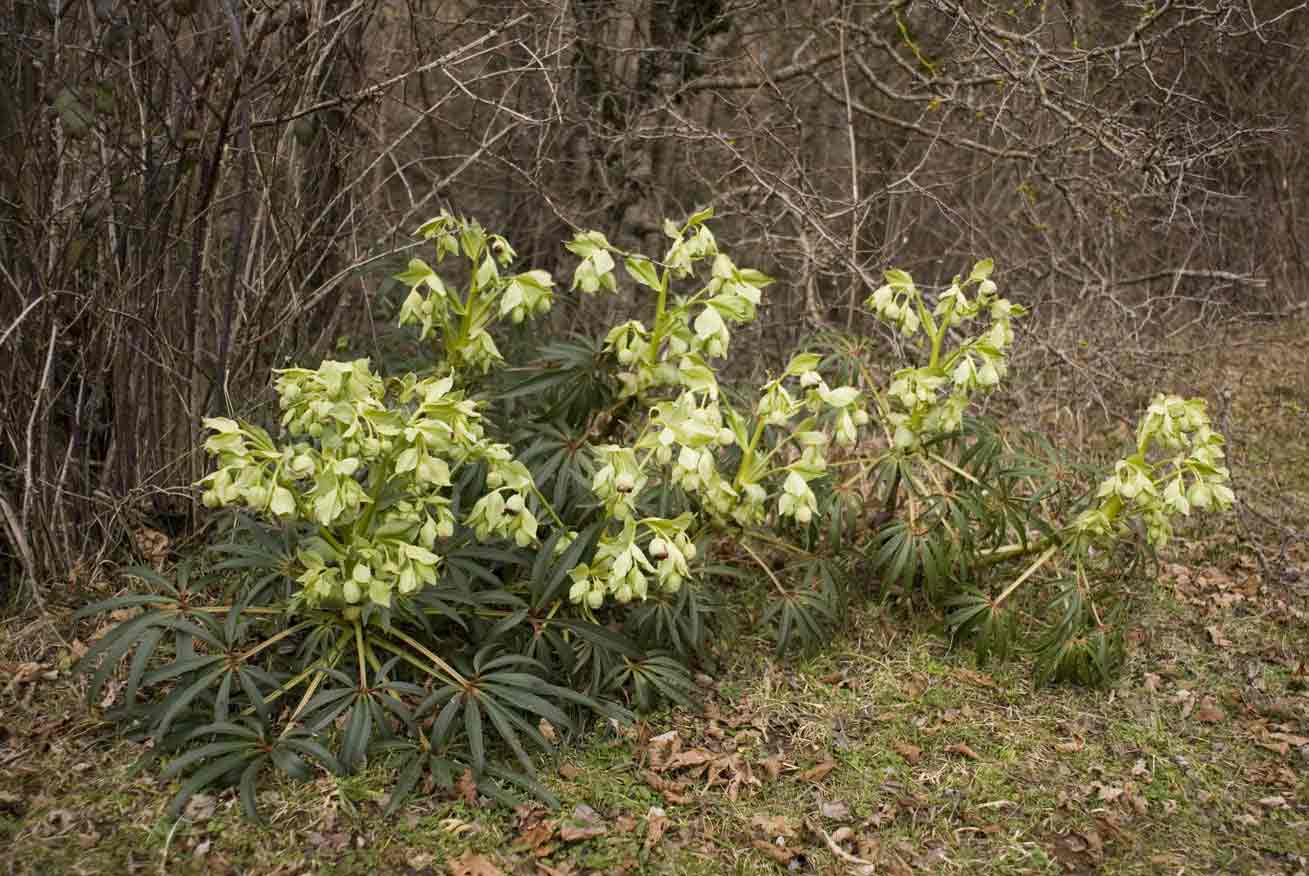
<point>501,703</point>
<point>568,379</point>
<point>241,750</point>
<point>564,645</point>
<point>676,622</point>
<point>801,618</point>
<point>656,678</point>
<point>805,616</point>
<point>549,580</point>
<point>1084,646</point>
<point>991,627</point>
<point>561,462</point>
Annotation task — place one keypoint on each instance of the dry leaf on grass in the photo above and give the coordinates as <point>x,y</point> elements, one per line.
<point>962,749</point>
<point>773,825</point>
<point>911,753</point>
<point>672,791</point>
<point>656,822</point>
<point>1209,713</point>
<point>585,823</point>
<point>1216,636</point>
<point>472,864</point>
<point>819,772</point>
<point>466,787</point>
<point>780,854</point>
<point>200,807</point>
<point>979,678</point>
<point>836,810</point>
<point>536,839</point>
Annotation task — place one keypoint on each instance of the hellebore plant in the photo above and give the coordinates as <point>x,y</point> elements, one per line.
<point>419,582</point>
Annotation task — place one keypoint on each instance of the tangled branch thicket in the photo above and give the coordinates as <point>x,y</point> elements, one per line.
<point>192,193</point>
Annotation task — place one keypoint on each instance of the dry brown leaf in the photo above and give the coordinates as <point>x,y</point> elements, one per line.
<point>780,854</point>
<point>1077,744</point>
<point>200,807</point>
<point>1151,682</point>
<point>334,841</point>
<point>585,823</point>
<point>472,864</point>
<point>548,731</point>
<point>1216,636</point>
<point>978,678</point>
<point>694,757</point>
<point>656,822</point>
<point>569,772</point>
<point>565,868</point>
<point>773,825</point>
<point>819,772</point>
<point>466,787</point>
<point>837,810</point>
<point>962,749</point>
<point>772,765</point>
<point>535,839</point>
<point>672,791</point>
<point>1290,739</point>
<point>1110,793</point>
<point>1209,713</point>
<point>911,753</point>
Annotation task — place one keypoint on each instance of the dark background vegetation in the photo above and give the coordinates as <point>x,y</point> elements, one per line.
<point>192,192</point>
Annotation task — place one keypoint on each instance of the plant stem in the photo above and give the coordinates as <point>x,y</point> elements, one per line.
<point>767,571</point>
<point>1027,573</point>
<point>1013,551</point>
<point>274,640</point>
<point>420,648</point>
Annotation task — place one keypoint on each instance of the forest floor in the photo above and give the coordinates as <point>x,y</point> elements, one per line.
<point>886,753</point>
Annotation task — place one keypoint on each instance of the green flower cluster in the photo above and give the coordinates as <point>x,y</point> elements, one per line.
<point>931,400</point>
<point>622,569</point>
<point>460,323</point>
<point>684,438</point>
<point>1157,490</point>
<point>372,470</point>
<point>688,333</point>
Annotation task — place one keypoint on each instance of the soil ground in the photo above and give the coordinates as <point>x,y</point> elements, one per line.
<point>886,753</point>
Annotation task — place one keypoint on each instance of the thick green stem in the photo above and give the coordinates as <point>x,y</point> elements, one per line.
<point>938,334</point>
<point>661,305</point>
<point>1027,573</point>
<point>1008,552</point>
